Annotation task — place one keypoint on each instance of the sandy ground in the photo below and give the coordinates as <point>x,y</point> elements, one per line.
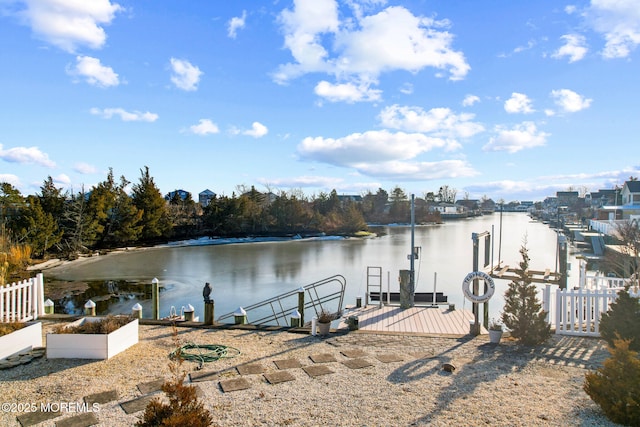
<point>396,380</point>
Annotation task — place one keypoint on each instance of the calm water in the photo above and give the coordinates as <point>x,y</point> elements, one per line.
<point>243,274</point>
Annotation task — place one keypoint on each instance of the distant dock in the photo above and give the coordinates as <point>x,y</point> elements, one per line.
<point>415,320</point>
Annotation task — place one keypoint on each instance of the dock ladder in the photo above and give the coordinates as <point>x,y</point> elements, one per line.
<point>374,283</point>
<point>327,294</point>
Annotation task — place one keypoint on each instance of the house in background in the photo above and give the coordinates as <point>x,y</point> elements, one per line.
<point>205,197</point>
<point>180,193</point>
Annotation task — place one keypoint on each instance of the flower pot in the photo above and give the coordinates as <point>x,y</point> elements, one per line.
<point>92,346</point>
<point>21,340</point>
<point>495,336</point>
<point>323,328</point>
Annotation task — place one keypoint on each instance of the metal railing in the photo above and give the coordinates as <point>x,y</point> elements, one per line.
<point>325,294</point>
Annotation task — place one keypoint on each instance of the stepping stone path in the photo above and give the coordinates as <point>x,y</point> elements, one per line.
<point>22,358</point>
<point>234,384</point>
<point>151,386</point>
<point>287,364</point>
<point>389,358</point>
<point>135,405</point>
<point>250,369</point>
<point>353,353</point>
<point>317,370</point>
<point>33,418</point>
<point>81,420</point>
<point>323,358</point>
<point>357,363</point>
<point>279,377</point>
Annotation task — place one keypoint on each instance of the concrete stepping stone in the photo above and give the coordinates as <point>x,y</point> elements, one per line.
<point>389,358</point>
<point>287,363</point>
<point>135,405</point>
<point>151,386</point>
<point>250,369</point>
<point>234,384</point>
<point>323,358</point>
<point>317,370</point>
<point>279,377</point>
<point>104,397</point>
<point>357,363</point>
<point>33,418</point>
<point>201,376</point>
<point>81,420</point>
<point>352,354</point>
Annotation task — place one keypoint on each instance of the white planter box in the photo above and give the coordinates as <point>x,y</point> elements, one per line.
<point>92,346</point>
<point>21,340</point>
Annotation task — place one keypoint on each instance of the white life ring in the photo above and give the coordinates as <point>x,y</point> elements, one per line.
<point>466,286</point>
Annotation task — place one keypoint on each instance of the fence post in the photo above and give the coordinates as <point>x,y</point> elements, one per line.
<point>546,301</point>
<point>39,299</point>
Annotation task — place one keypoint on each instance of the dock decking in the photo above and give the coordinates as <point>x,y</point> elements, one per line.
<point>414,320</point>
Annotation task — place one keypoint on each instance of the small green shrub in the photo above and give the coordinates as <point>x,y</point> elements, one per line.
<point>615,387</point>
<point>621,321</point>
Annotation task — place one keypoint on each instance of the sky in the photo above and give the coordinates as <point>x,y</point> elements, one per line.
<point>512,100</point>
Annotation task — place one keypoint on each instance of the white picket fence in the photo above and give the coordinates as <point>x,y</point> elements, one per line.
<point>578,311</point>
<point>22,301</point>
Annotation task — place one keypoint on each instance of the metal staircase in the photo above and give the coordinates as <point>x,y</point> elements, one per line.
<point>327,294</point>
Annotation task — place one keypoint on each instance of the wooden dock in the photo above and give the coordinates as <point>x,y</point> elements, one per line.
<point>415,320</point>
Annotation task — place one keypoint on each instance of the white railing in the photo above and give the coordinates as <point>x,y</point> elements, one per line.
<point>606,227</point>
<point>578,311</point>
<point>22,301</point>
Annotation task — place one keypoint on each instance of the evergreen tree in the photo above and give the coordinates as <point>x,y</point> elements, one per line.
<point>36,227</point>
<point>621,320</point>
<point>523,313</point>
<point>11,201</point>
<point>148,199</point>
<point>80,229</point>
<point>100,207</point>
<point>52,199</point>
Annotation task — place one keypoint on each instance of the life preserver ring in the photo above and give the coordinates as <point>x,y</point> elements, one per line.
<point>468,280</point>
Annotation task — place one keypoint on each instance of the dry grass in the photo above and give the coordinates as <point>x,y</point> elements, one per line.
<point>105,325</point>
<point>7,327</point>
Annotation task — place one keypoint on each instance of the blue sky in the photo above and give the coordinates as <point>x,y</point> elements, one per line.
<point>514,100</point>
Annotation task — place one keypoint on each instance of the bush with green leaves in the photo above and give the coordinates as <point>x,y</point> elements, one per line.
<point>622,320</point>
<point>615,387</point>
<point>523,314</point>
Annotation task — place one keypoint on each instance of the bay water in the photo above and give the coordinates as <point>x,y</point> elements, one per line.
<point>246,273</point>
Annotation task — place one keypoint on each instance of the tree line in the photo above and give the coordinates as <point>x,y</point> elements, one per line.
<point>108,216</point>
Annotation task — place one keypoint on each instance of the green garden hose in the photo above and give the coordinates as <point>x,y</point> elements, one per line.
<point>204,353</point>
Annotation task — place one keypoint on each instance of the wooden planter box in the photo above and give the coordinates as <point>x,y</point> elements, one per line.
<point>91,346</point>
<point>21,340</point>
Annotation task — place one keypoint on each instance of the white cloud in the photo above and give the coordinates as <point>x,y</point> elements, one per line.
<point>125,116</point>
<point>185,75</point>
<point>303,181</point>
<point>347,92</point>
<point>258,130</point>
<point>574,47</point>
<point>367,147</point>
<point>570,101</point>
<point>235,24</point>
<point>418,171</point>
<point>438,122</point>
<point>518,103</point>
<point>520,137</point>
<point>570,9</point>
<point>62,179</point>
<point>26,155</point>
<point>10,179</point>
<point>358,50</point>
<point>69,24</point>
<point>85,168</point>
<point>619,23</point>
<point>469,100</point>
<point>204,127</point>
<point>94,72</point>
<point>407,88</point>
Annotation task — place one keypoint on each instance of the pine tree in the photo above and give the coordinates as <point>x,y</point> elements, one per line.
<point>155,215</point>
<point>621,320</point>
<point>523,313</point>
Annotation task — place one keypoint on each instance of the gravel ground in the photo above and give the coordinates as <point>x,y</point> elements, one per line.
<point>503,385</point>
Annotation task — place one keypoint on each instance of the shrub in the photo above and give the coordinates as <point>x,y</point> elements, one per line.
<point>621,320</point>
<point>183,409</point>
<point>523,314</point>
<point>615,387</point>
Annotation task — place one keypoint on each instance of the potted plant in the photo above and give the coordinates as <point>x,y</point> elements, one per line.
<point>93,338</point>
<point>495,332</point>
<point>16,337</point>
<point>324,322</point>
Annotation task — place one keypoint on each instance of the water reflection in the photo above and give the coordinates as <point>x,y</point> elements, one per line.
<point>243,274</point>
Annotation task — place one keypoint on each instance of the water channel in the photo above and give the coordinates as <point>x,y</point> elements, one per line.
<point>246,273</point>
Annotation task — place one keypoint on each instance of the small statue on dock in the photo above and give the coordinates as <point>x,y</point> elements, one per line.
<point>206,292</point>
